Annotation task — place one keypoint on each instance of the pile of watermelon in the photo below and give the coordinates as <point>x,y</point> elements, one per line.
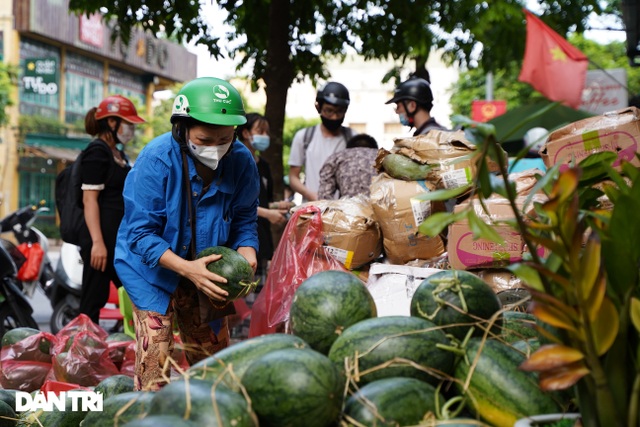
<point>454,361</point>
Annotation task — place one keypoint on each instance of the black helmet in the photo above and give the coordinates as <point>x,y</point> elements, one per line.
<point>414,89</point>
<point>333,93</point>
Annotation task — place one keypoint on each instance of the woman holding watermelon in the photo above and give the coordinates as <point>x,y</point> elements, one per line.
<point>192,188</point>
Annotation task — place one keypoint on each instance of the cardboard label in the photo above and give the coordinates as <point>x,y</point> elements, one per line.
<point>344,256</point>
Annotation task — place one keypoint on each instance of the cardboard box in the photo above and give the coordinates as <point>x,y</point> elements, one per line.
<point>400,214</point>
<point>393,286</point>
<point>617,131</point>
<point>349,229</point>
<point>452,155</point>
<point>466,253</point>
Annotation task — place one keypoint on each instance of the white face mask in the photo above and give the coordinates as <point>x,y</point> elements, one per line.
<point>126,132</point>
<point>209,155</point>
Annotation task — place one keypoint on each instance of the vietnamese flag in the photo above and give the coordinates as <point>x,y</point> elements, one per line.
<point>552,65</point>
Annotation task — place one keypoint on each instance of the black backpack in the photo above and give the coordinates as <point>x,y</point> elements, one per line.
<point>69,199</point>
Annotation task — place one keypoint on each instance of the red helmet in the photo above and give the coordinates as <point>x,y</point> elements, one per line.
<point>118,106</point>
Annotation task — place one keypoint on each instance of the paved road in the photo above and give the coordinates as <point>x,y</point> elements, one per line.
<point>42,309</point>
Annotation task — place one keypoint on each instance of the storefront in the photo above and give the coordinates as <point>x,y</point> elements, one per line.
<point>66,65</point>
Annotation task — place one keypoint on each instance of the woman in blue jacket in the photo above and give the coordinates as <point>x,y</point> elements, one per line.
<point>160,233</point>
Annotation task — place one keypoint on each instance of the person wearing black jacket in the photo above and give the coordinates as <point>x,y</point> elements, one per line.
<point>414,99</point>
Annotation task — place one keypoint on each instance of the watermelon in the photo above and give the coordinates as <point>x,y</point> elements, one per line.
<point>13,336</point>
<point>118,337</point>
<point>119,409</point>
<point>113,385</point>
<point>499,391</point>
<point>203,403</point>
<point>295,388</point>
<point>392,402</point>
<point>161,421</point>
<point>380,340</point>
<point>233,267</point>
<point>55,418</point>
<point>231,363</point>
<point>325,304</point>
<point>8,397</point>
<point>518,326</point>
<point>8,417</point>
<point>455,296</point>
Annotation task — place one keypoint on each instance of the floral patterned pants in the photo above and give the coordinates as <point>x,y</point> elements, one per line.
<point>154,336</point>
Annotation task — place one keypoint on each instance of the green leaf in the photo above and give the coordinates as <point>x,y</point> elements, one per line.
<point>481,229</point>
<point>484,178</point>
<point>434,224</point>
<point>447,194</point>
<point>528,275</point>
<point>635,313</point>
<point>499,187</point>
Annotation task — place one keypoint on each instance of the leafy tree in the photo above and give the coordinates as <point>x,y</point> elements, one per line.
<point>285,40</point>
<point>8,80</point>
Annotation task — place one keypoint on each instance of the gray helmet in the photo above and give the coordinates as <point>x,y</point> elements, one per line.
<point>333,93</point>
<point>414,89</point>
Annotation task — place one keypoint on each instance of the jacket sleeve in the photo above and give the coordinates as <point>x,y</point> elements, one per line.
<point>146,210</point>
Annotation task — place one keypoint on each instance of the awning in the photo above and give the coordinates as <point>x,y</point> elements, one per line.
<point>58,147</point>
<point>64,154</point>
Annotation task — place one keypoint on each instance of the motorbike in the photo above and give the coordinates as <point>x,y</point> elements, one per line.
<point>15,309</point>
<point>65,292</point>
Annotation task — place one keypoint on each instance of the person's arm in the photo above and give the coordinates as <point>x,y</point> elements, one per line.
<point>274,216</point>
<point>196,272</point>
<point>92,219</point>
<point>298,186</point>
<point>328,180</point>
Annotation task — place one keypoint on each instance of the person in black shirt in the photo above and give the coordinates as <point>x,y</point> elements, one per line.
<point>112,123</point>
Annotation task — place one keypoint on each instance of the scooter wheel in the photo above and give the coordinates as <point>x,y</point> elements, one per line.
<point>63,313</point>
<point>9,320</point>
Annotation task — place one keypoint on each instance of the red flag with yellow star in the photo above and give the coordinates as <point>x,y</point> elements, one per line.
<point>552,65</point>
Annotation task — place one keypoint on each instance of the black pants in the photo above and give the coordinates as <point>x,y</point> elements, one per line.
<point>95,283</point>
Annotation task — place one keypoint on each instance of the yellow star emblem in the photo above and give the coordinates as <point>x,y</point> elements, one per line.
<point>558,54</point>
<point>31,66</point>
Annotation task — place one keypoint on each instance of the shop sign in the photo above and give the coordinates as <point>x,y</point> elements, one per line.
<point>40,76</point>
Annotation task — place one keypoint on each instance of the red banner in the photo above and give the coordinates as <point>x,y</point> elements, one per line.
<point>483,111</point>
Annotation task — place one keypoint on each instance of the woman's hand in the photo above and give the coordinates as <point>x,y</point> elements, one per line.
<point>199,275</point>
<point>99,256</point>
<point>250,255</point>
<point>277,216</point>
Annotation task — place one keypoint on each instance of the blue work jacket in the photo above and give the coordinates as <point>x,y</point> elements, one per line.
<point>156,216</point>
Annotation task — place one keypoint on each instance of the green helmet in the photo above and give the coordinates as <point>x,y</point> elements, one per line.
<point>209,100</point>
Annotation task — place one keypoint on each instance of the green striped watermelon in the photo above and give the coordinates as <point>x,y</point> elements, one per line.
<point>8,417</point>
<point>233,267</point>
<point>203,403</point>
<point>499,391</point>
<point>456,297</point>
<point>120,408</point>
<point>230,364</point>
<point>113,385</point>
<point>295,388</point>
<point>392,402</point>
<point>380,340</point>
<point>161,421</point>
<point>325,304</point>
